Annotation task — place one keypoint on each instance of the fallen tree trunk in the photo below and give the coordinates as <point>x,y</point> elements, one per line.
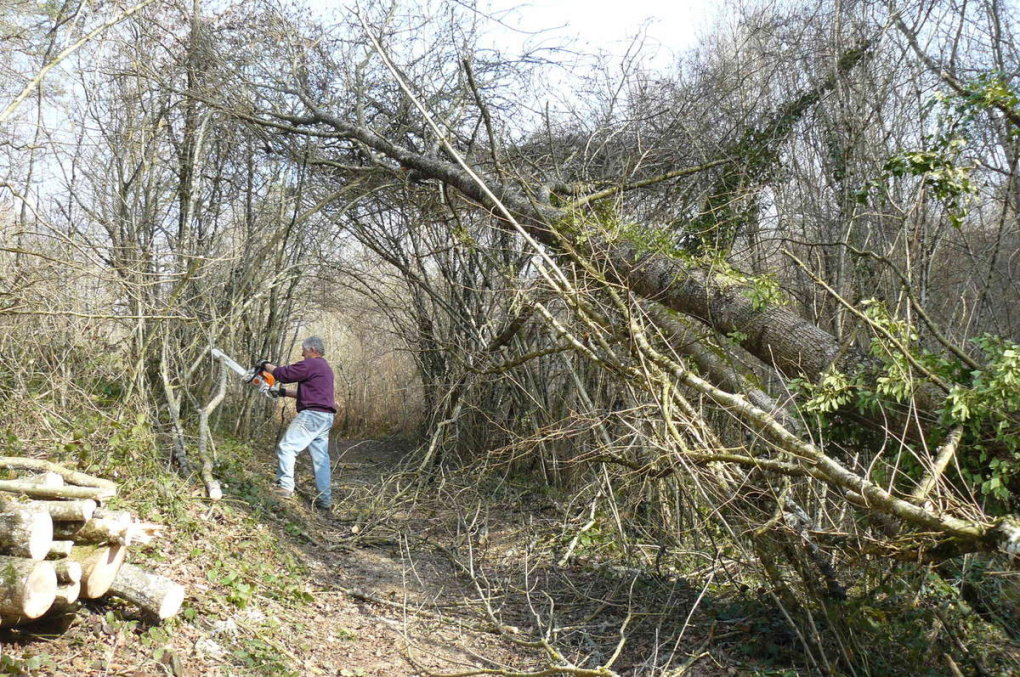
<point>27,587</point>
<point>100,565</point>
<point>25,532</point>
<point>773,333</point>
<point>158,596</point>
<point>682,336</point>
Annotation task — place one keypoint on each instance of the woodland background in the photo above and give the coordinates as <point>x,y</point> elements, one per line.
<point>755,316</point>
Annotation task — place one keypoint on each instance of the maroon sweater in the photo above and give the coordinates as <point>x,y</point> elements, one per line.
<point>314,377</point>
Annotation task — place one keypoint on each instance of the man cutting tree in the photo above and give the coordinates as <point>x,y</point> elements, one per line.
<point>310,428</point>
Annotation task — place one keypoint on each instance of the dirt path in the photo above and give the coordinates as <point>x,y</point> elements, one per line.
<point>394,582</point>
<point>398,606</point>
<point>405,586</point>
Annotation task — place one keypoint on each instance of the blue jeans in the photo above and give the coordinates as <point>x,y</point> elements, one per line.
<point>309,429</point>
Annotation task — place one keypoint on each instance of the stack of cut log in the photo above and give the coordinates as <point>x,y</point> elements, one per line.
<point>58,545</point>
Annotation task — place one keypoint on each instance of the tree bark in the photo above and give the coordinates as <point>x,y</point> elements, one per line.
<point>27,488</point>
<point>157,595</point>
<point>60,549</point>
<point>107,527</point>
<point>46,479</point>
<point>67,511</point>
<point>212,486</point>
<point>25,532</point>
<point>68,571</point>
<point>70,476</point>
<point>27,587</point>
<point>683,337</point>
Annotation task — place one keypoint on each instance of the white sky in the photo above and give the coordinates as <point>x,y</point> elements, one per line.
<point>668,26</point>
<point>610,25</point>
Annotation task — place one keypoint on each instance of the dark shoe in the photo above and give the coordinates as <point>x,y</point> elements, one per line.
<point>325,507</point>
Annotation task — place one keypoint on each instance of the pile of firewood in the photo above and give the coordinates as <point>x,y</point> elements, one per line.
<point>58,545</point>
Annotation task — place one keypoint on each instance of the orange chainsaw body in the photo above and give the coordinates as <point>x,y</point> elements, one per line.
<point>264,377</point>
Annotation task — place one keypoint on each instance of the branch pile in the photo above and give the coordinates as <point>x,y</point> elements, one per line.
<point>59,545</point>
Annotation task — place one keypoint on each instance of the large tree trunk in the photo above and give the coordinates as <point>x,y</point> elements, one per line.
<point>774,334</point>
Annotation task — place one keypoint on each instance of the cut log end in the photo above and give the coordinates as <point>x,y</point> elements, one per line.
<point>171,602</point>
<point>66,597</point>
<point>99,567</point>
<point>30,586</point>
<point>68,571</point>
<point>26,532</point>
<point>60,549</point>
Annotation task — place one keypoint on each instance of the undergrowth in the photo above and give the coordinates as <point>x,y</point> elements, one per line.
<point>245,574</point>
<point>230,555</point>
<point>896,619</point>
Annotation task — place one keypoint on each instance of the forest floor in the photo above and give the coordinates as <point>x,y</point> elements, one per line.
<point>453,577</point>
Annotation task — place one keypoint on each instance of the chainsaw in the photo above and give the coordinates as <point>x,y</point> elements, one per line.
<point>257,376</point>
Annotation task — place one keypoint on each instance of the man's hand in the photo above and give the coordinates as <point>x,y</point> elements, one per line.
<point>264,365</point>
